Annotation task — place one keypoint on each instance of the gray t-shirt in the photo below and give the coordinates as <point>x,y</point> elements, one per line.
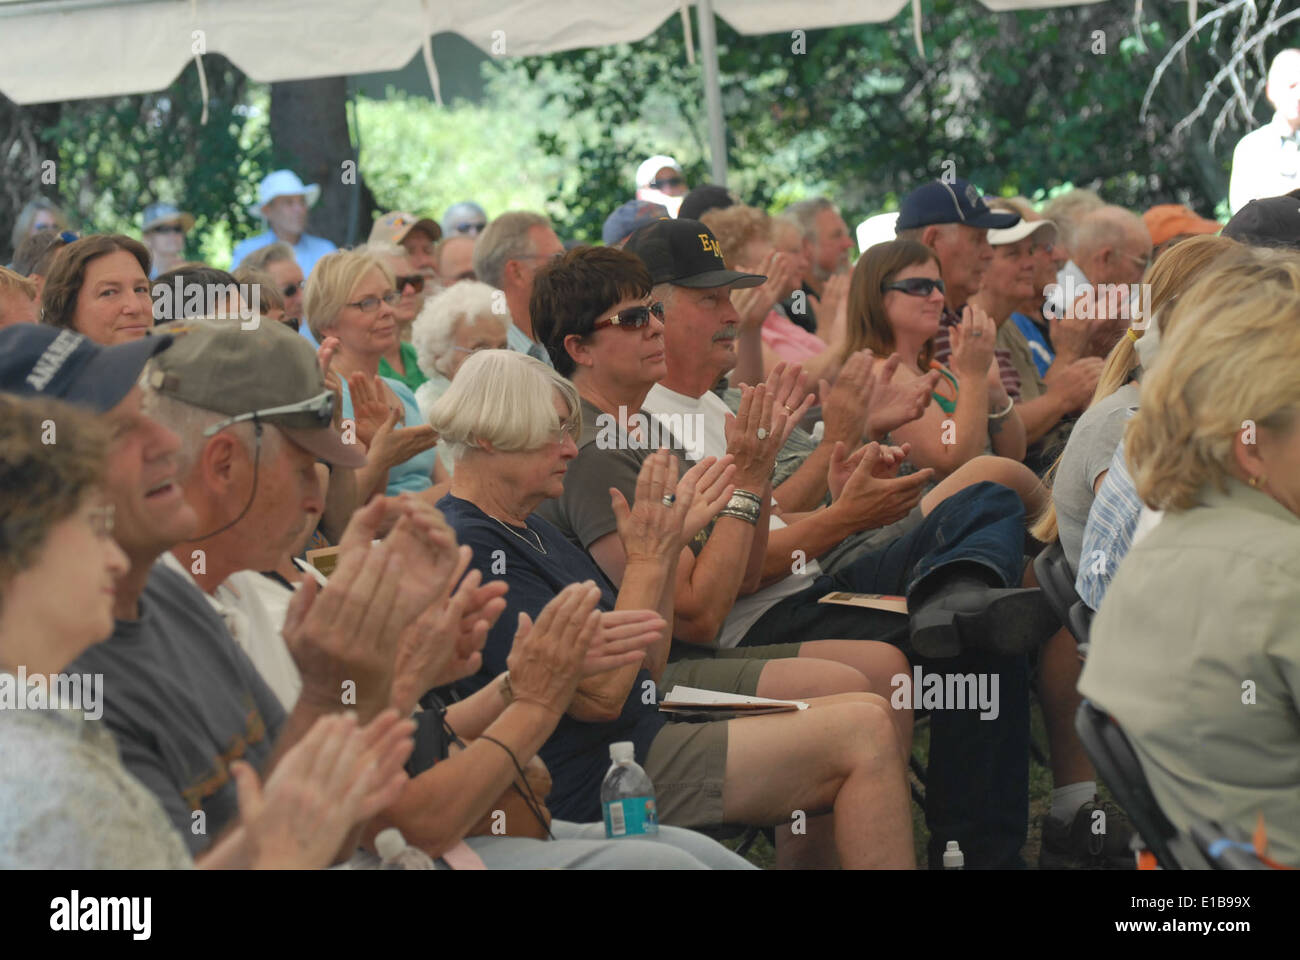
<point>606,458</point>
<point>183,702</point>
<point>66,803</point>
<point>1088,453</point>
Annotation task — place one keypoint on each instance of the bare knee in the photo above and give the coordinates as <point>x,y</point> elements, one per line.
<point>865,731</point>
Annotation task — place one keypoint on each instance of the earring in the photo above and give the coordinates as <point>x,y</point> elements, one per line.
<point>1255,482</point>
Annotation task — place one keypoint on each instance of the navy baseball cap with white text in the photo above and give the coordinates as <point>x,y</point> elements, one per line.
<point>39,360</point>
<point>957,202</point>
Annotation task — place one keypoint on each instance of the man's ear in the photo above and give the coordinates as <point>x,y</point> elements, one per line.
<point>930,234</point>
<point>218,463</point>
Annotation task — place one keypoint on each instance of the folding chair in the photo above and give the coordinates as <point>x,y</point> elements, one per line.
<point>1118,765</point>
<point>1054,578</point>
<point>1225,848</point>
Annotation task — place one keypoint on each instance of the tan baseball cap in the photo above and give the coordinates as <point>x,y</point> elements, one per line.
<point>257,374</point>
<point>393,227</point>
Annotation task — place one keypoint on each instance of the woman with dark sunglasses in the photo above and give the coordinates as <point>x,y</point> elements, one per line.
<point>400,362</point>
<point>896,299</point>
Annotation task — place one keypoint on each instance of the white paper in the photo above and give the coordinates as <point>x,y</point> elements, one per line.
<point>680,696</point>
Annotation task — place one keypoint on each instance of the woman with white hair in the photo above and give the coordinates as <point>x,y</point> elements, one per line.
<point>512,422</point>
<point>452,327</point>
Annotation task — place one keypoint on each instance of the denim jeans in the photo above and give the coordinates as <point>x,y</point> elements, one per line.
<point>977,785</point>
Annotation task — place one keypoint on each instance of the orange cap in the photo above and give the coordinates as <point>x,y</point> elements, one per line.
<point>1169,220</point>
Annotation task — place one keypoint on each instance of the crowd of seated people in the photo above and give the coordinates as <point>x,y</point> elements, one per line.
<point>552,482</point>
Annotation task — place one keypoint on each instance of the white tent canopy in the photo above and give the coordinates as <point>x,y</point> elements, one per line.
<point>73,49</point>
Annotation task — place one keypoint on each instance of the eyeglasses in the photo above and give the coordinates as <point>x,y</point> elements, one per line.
<point>371,304</point>
<point>567,429</point>
<point>633,318</point>
<point>1143,262</point>
<point>168,228</point>
<point>915,286</point>
<point>319,408</point>
<point>469,229</point>
<point>101,520</point>
<point>415,280</point>
<point>292,288</point>
<point>67,236</point>
<point>667,182</point>
<point>473,350</point>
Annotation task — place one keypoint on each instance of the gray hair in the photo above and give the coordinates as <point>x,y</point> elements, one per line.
<point>188,422</point>
<point>435,328</point>
<point>505,239</point>
<point>504,398</point>
<point>804,214</point>
<point>1068,210</point>
<point>263,257</point>
<point>1106,226</point>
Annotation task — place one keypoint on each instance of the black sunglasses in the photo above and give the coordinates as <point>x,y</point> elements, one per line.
<point>633,318</point>
<point>416,280</point>
<point>469,227</point>
<point>292,288</point>
<point>168,228</point>
<point>667,182</point>
<point>915,286</point>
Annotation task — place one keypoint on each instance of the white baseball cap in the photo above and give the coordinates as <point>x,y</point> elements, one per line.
<point>646,172</point>
<point>283,183</point>
<point>1024,228</point>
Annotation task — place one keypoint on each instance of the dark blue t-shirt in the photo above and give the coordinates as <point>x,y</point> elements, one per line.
<point>577,753</point>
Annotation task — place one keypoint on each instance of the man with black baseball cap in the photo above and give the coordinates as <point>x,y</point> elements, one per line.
<point>952,219</point>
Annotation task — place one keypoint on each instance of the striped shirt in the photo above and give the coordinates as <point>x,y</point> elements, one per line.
<point>1109,533</point>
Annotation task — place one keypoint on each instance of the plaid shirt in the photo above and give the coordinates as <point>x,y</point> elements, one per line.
<point>943,353</point>
<point>1109,533</point>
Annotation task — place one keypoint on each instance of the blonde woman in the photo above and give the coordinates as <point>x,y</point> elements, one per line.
<point>1195,650</point>
<point>350,297</point>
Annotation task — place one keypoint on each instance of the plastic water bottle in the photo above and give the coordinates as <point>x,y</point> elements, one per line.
<point>953,858</point>
<point>396,854</point>
<point>627,797</point>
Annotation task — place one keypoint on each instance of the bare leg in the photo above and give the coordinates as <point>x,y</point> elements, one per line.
<point>1058,688</point>
<point>879,663</point>
<point>810,849</point>
<point>1003,470</point>
<point>841,756</point>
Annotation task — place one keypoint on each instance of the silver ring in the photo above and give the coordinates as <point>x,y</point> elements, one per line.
<point>762,433</point>
<point>977,333</point>
<point>669,499</point>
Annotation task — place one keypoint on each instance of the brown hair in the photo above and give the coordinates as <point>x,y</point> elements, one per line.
<point>867,327</point>
<point>42,484</point>
<point>735,228</point>
<point>12,280</point>
<point>68,273</point>
<point>570,293</point>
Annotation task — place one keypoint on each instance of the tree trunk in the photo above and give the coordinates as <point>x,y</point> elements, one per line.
<point>309,132</point>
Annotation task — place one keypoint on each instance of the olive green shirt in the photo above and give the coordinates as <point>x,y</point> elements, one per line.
<point>1196,653</point>
<point>1043,452</point>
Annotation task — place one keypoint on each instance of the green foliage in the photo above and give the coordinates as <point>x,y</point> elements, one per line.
<point>117,155</point>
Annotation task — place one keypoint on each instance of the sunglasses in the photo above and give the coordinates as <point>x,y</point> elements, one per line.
<point>633,318</point>
<point>292,288</point>
<point>915,286</point>
<point>168,228</point>
<point>415,280</point>
<point>319,411</point>
<point>667,182</point>
<point>469,228</point>
<point>371,304</point>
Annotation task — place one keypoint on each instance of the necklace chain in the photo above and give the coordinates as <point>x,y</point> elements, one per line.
<point>536,546</point>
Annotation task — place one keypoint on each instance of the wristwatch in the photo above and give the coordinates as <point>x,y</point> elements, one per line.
<point>507,691</point>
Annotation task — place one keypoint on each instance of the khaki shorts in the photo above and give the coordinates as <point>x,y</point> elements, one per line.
<point>728,671</point>
<point>687,764</point>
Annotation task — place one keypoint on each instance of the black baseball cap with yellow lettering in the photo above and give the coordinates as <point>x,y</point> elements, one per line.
<point>686,253</point>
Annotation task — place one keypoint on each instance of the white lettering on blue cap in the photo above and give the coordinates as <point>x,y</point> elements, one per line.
<point>52,359</point>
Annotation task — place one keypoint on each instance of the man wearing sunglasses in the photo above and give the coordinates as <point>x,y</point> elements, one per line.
<point>659,180</point>
<point>464,219</point>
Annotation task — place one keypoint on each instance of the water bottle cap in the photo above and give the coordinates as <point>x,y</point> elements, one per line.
<point>390,843</point>
<point>622,752</point>
<point>952,846</point>
<point>952,856</point>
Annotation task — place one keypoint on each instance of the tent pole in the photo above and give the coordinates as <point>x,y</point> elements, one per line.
<point>713,93</point>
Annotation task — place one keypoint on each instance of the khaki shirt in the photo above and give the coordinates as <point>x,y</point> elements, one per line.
<point>1196,653</point>
<point>1049,446</point>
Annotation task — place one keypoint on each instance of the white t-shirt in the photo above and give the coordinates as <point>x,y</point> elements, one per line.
<point>700,423</point>
<point>254,608</point>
